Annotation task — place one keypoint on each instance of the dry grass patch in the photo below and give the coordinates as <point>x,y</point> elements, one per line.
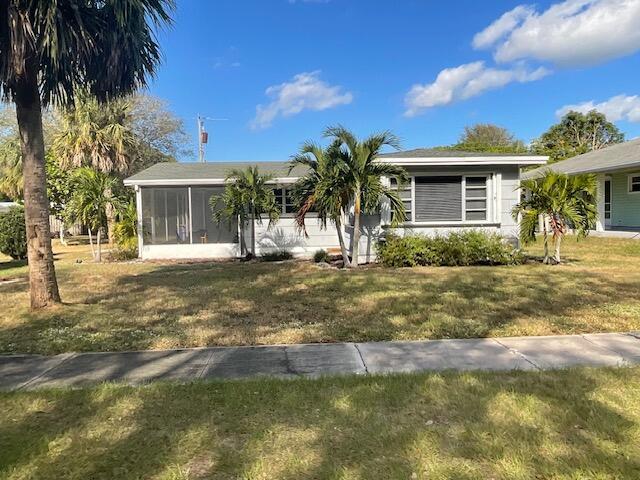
<point>137,305</point>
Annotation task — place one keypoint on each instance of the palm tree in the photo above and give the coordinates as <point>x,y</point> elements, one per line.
<point>99,136</point>
<point>564,202</point>
<point>47,48</point>
<point>322,189</point>
<point>363,176</point>
<point>247,197</point>
<point>89,201</point>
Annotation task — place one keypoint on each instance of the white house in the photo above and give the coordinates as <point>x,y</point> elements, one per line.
<point>449,190</point>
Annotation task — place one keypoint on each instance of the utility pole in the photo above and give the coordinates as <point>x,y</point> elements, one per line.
<point>203,136</point>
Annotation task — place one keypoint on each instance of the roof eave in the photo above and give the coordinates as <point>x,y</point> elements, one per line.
<point>465,161</point>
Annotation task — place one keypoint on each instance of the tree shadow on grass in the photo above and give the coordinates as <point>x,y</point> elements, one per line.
<point>472,425</point>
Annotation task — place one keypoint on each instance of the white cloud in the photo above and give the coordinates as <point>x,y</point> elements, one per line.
<point>498,29</point>
<point>465,81</point>
<point>570,33</point>
<point>304,92</point>
<point>620,107</point>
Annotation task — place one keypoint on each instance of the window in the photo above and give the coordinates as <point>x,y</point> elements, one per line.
<point>284,198</point>
<point>450,198</point>
<point>475,198</point>
<point>634,183</point>
<point>607,199</point>
<point>165,215</point>
<point>405,195</point>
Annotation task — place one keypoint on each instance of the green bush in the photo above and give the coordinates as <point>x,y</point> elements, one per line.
<point>13,233</point>
<point>125,234</point>
<point>276,256</point>
<point>321,256</point>
<point>471,247</point>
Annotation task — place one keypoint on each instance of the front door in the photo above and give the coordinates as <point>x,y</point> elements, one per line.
<point>607,203</point>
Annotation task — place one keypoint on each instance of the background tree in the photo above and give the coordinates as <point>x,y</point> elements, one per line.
<point>47,48</point>
<point>577,133</point>
<point>59,190</point>
<point>323,189</point>
<point>247,197</point>
<point>564,201</point>
<point>91,197</point>
<point>363,177</point>
<point>486,137</point>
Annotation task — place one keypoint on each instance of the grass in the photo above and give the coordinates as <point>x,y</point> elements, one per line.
<point>576,424</point>
<point>135,305</point>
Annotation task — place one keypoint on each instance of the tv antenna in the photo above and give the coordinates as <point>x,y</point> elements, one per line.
<point>203,135</point>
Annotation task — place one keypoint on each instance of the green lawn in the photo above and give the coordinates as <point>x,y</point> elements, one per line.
<point>121,306</point>
<point>577,424</point>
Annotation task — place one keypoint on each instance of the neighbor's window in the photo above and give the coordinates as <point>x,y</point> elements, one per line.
<point>634,183</point>
<point>450,198</point>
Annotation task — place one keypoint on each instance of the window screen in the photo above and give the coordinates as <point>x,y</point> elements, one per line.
<point>165,215</point>
<point>205,228</point>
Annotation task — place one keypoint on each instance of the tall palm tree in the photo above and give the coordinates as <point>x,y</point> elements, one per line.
<point>564,201</point>
<point>47,48</point>
<point>323,189</point>
<point>89,202</point>
<point>247,198</point>
<point>98,136</point>
<point>363,176</point>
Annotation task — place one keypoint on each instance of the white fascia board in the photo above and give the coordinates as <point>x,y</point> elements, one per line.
<point>197,181</point>
<point>466,161</point>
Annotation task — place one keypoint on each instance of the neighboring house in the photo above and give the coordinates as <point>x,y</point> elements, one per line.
<point>618,172</point>
<point>449,190</point>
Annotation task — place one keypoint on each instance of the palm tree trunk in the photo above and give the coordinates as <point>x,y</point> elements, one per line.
<point>343,248</point>
<point>111,218</point>
<point>546,243</point>
<point>355,248</point>
<point>557,241</point>
<point>61,233</point>
<point>98,247</point>
<point>253,232</point>
<point>43,285</point>
<point>93,252</point>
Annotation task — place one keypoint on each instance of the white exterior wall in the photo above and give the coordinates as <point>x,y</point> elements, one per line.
<point>285,235</point>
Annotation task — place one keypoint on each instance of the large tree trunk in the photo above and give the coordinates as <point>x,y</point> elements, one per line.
<point>343,246</point>
<point>110,213</point>
<point>355,249</point>
<point>43,286</point>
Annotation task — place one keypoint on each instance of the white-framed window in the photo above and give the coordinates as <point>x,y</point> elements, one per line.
<point>406,194</point>
<point>433,199</point>
<point>634,183</point>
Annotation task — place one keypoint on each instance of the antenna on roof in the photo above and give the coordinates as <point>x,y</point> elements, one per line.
<point>203,136</point>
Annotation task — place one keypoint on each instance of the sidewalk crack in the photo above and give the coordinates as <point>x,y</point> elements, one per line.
<point>518,353</point>
<point>364,365</point>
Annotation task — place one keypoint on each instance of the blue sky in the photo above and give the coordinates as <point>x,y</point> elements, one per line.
<point>282,70</point>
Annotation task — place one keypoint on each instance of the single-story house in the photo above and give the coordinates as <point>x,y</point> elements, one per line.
<point>618,173</point>
<point>6,206</point>
<point>449,190</point>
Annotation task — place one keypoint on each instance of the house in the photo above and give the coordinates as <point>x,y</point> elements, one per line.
<point>6,206</point>
<point>618,173</point>
<point>449,190</point>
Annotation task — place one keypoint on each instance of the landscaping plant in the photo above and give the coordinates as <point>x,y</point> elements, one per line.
<point>563,202</point>
<point>13,233</point>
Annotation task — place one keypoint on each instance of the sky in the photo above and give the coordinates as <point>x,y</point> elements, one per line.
<point>280,71</point>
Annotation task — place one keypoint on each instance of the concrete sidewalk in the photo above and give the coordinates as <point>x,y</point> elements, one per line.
<point>514,353</point>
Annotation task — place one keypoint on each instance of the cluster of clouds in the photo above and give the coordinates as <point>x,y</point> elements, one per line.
<point>573,33</point>
<point>525,44</point>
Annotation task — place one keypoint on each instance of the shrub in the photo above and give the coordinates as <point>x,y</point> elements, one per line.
<point>13,233</point>
<point>455,249</point>
<point>321,256</point>
<point>276,256</point>
<point>125,234</point>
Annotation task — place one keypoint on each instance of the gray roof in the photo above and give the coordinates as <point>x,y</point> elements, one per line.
<point>446,153</point>
<point>208,171</point>
<point>623,156</point>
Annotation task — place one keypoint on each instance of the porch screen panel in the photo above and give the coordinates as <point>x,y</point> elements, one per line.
<point>205,228</point>
<point>438,199</point>
<point>165,216</point>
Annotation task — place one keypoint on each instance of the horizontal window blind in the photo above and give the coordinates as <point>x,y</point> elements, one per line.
<point>438,198</point>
